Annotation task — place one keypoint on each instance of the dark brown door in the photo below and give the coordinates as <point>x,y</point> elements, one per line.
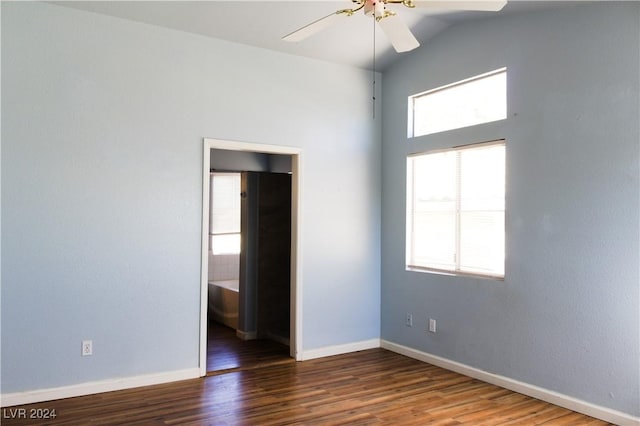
<point>274,256</point>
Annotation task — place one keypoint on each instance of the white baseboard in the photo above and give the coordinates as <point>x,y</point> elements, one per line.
<point>599,412</point>
<point>603,413</point>
<point>277,338</point>
<point>246,335</point>
<point>89,388</point>
<point>339,349</point>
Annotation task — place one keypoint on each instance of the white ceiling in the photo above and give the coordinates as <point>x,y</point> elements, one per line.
<point>263,24</point>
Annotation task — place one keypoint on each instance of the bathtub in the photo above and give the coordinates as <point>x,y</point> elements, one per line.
<point>223,302</point>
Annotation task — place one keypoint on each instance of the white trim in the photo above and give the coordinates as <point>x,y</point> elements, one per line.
<point>296,239</point>
<point>556,398</point>
<point>204,259</point>
<point>277,338</point>
<point>224,315</point>
<point>89,388</point>
<point>246,335</point>
<point>252,147</point>
<point>339,349</point>
<point>295,318</point>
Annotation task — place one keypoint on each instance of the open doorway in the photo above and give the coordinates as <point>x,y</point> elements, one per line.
<point>249,263</point>
<point>265,317</point>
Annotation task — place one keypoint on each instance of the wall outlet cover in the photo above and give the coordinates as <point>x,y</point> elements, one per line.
<point>87,347</point>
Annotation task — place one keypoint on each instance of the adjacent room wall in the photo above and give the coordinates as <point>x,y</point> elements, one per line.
<point>103,122</point>
<point>224,160</point>
<point>566,316</point>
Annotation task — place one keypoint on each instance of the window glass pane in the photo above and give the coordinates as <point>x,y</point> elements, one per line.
<point>482,178</point>
<point>434,208</point>
<point>455,210</point>
<point>434,239</point>
<point>434,177</point>
<point>225,203</point>
<point>225,244</point>
<point>482,242</point>
<point>482,202</point>
<point>464,104</point>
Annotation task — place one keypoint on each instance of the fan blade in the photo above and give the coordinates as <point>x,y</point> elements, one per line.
<point>314,27</point>
<point>398,34</point>
<point>443,5</point>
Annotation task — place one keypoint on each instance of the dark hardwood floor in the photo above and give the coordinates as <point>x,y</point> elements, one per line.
<point>226,352</point>
<point>373,387</point>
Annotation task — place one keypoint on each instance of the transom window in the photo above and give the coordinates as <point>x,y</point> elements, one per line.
<point>477,100</point>
<point>456,210</point>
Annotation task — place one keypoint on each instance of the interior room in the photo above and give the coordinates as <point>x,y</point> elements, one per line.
<point>249,260</point>
<point>116,117</point>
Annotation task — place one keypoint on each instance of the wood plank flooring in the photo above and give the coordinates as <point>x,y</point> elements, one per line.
<point>226,352</point>
<point>373,387</point>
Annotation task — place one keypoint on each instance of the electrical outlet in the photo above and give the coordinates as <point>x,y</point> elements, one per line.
<point>432,325</point>
<point>409,320</point>
<point>87,347</point>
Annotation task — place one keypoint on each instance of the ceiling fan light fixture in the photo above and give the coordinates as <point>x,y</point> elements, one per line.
<point>407,3</point>
<point>386,14</point>
<point>379,9</point>
<point>396,31</point>
<point>369,7</point>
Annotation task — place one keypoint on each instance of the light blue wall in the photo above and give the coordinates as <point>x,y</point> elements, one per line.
<point>566,317</point>
<point>102,127</point>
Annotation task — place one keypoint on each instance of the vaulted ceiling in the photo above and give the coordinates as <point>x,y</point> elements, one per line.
<point>263,24</point>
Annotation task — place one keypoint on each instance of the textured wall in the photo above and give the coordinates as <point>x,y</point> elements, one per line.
<point>566,317</point>
<point>102,130</point>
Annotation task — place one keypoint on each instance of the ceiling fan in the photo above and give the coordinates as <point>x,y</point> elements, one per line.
<point>396,31</point>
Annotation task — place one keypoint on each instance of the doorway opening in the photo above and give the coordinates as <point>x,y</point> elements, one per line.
<point>250,282</point>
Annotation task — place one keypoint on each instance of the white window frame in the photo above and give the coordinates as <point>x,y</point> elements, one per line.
<point>411,264</point>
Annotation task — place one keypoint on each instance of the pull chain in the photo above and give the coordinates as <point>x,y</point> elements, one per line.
<point>373,73</point>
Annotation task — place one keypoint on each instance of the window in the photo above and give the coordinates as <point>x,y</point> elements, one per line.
<point>456,210</point>
<point>477,100</point>
<point>224,218</point>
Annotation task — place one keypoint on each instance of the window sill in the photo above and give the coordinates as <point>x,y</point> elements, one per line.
<point>422,269</point>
